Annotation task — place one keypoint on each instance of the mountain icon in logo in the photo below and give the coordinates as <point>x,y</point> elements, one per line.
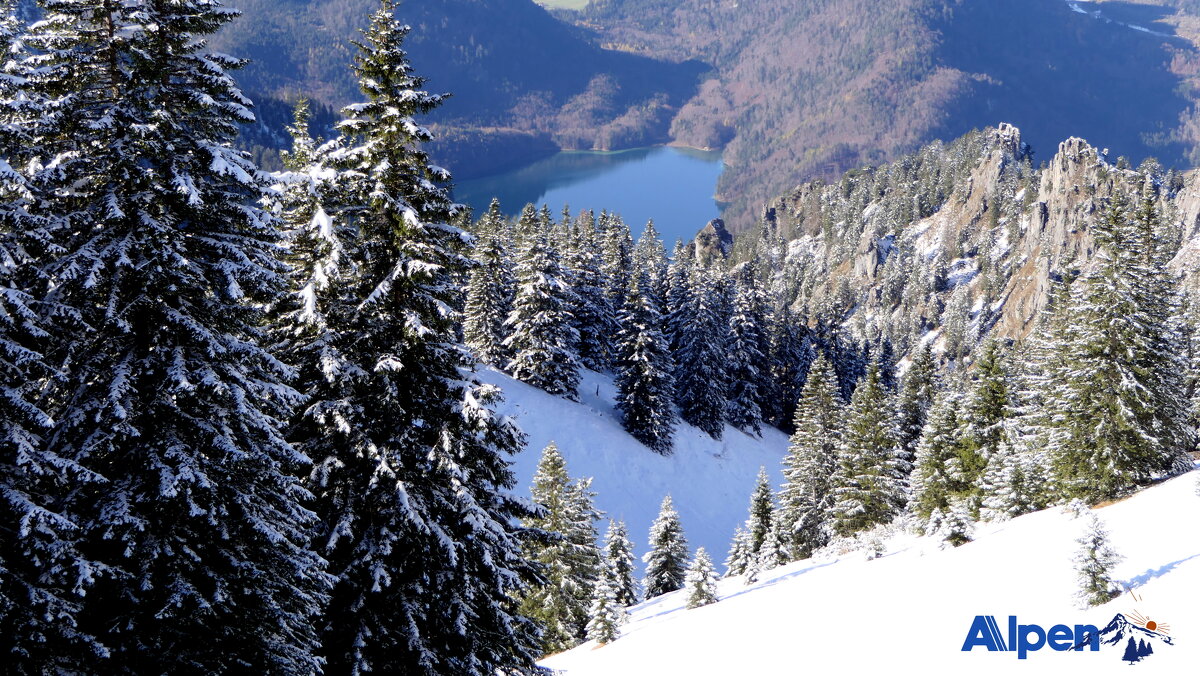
<point>1137,638</point>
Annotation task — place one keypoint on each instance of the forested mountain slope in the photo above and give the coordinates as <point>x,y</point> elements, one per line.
<point>964,240</point>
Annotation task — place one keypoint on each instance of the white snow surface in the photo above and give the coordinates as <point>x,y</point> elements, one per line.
<point>909,612</point>
<point>709,481</point>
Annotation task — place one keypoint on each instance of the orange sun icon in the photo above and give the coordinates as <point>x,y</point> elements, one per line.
<point>1149,624</point>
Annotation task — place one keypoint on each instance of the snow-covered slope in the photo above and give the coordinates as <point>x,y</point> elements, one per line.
<point>709,481</point>
<point>910,611</point>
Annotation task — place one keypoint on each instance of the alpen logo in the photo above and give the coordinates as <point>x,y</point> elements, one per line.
<point>1134,634</point>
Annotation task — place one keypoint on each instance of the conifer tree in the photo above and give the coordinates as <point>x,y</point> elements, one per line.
<point>618,551</point>
<point>701,581</point>
<point>489,292</point>
<point>594,318</point>
<point>606,614</point>
<point>700,389</point>
<point>644,381</point>
<point>1120,408</point>
<point>1094,562</point>
<point>43,573</point>
<point>762,511</point>
<point>679,299</point>
<point>738,560</point>
<point>790,358</point>
<point>986,409</point>
<point>774,552</point>
<point>617,260</point>
<point>666,562</point>
<point>915,399</point>
<point>570,559</point>
<point>936,477</point>
<point>541,337</point>
<point>869,485</point>
<point>162,259</point>
<point>412,473</point>
<point>745,355</point>
<point>955,527</point>
<point>806,499</point>
<point>650,262</point>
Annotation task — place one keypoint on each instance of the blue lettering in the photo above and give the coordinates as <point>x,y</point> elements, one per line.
<point>1060,638</point>
<point>1023,644</point>
<point>980,634</point>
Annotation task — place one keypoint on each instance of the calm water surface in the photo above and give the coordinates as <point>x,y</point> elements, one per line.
<point>673,186</point>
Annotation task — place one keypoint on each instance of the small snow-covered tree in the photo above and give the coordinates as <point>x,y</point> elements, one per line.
<point>666,562</point>
<point>773,552</point>
<point>567,552</point>
<point>606,614</point>
<point>1094,563</point>
<point>762,511</point>
<point>956,527</point>
<point>701,581</point>
<point>618,551</point>
<point>739,556</point>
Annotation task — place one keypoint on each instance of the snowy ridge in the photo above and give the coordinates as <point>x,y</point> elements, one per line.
<point>710,481</point>
<point>915,605</point>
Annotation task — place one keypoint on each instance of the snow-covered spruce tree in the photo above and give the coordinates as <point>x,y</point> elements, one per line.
<point>650,262</point>
<point>701,581</point>
<point>936,477</point>
<point>739,556</point>
<point>593,315</point>
<point>955,528</point>
<point>806,499</point>
<point>412,474</point>
<point>666,562</point>
<point>791,354</point>
<point>1094,562</point>
<point>618,551</point>
<point>700,386</point>
<point>42,572</point>
<point>869,485</point>
<point>644,367</point>
<point>1013,482</point>
<point>616,246</point>
<point>541,337</point>
<point>745,355</point>
<point>774,550</point>
<point>489,295</point>
<point>570,561</point>
<point>915,399</point>
<point>679,299</point>
<point>163,260</point>
<point>987,407</point>
<point>606,614</point>
<point>1121,406</point>
<point>761,511</point>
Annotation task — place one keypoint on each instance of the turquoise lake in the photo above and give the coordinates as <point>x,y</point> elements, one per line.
<point>673,186</point>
